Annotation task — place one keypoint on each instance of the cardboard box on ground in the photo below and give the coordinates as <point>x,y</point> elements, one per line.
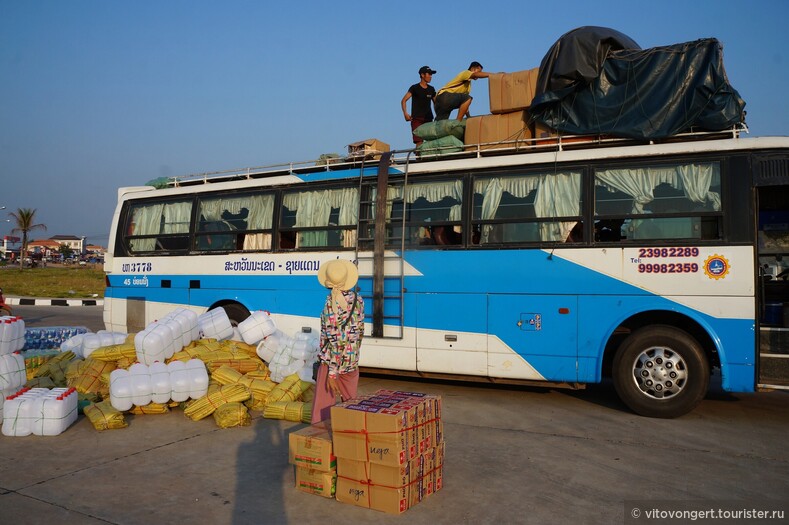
<point>390,449</point>
<point>310,450</point>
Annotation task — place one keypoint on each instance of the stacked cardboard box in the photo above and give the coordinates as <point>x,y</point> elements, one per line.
<point>310,450</point>
<point>390,449</point>
<point>504,130</point>
<point>512,91</point>
<point>510,94</point>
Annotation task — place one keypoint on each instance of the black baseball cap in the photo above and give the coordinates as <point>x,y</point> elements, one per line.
<point>475,64</point>
<point>426,69</point>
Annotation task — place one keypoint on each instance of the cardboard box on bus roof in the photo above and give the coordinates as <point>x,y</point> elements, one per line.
<point>512,91</point>
<point>312,447</point>
<point>506,130</point>
<point>318,482</point>
<point>367,148</point>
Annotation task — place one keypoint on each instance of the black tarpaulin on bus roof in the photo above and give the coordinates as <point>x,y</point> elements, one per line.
<point>598,81</point>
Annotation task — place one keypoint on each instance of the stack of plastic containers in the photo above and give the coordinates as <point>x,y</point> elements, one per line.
<point>156,343</point>
<point>256,327</point>
<point>142,384</point>
<point>50,337</point>
<point>39,411</point>
<point>287,355</point>
<point>12,364</point>
<point>12,371</point>
<point>215,324</point>
<point>186,320</point>
<point>102,338</point>
<point>12,334</point>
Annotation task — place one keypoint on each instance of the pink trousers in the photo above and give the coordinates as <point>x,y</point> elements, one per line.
<point>324,399</point>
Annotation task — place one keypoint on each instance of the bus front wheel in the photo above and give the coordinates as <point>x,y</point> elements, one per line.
<point>661,371</point>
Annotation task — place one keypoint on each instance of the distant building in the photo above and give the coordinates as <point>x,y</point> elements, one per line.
<point>52,245</point>
<point>72,241</point>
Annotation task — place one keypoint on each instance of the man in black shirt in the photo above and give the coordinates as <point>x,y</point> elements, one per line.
<point>423,94</point>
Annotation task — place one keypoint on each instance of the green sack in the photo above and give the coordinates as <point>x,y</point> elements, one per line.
<point>441,128</point>
<point>440,146</point>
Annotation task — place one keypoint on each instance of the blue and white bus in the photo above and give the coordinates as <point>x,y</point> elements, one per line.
<point>556,263</point>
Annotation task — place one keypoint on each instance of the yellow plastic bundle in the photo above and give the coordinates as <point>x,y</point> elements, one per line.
<point>294,411</point>
<point>275,410</point>
<point>115,352</point>
<point>307,391</point>
<point>243,348</point>
<point>231,415</point>
<point>56,367</point>
<point>151,408</point>
<point>74,369</point>
<point>226,375</point>
<point>306,413</point>
<point>90,398</point>
<point>104,417</point>
<point>260,389</point>
<point>88,381</point>
<point>33,363</point>
<point>40,382</point>
<point>206,405</point>
<point>241,365</point>
<point>297,411</point>
<point>288,390</point>
<point>263,373</point>
<point>125,362</point>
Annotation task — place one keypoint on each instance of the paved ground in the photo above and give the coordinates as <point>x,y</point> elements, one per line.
<point>514,455</point>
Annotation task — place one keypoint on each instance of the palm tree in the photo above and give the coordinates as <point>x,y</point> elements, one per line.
<point>25,218</point>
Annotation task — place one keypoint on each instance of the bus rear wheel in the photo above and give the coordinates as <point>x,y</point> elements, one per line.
<point>236,313</point>
<point>661,371</point>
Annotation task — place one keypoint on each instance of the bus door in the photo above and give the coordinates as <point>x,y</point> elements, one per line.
<point>533,337</point>
<point>771,176</point>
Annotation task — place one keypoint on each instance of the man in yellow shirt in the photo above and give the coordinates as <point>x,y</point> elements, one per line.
<point>456,94</point>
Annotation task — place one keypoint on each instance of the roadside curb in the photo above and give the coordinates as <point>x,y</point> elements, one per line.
<point>32,301</point>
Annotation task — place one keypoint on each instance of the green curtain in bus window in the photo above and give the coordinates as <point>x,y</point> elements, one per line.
<point>242,213</point>
<point>314,209</point>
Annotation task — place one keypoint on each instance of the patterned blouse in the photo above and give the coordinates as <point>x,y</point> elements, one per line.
<point>340,347</point>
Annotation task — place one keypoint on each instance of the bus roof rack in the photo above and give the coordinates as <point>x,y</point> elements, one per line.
<point>401,157</point>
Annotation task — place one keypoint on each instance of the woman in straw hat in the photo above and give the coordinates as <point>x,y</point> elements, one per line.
<point>342,329</point>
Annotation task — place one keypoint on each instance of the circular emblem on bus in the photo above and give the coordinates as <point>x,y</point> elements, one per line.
<point>716,266</point>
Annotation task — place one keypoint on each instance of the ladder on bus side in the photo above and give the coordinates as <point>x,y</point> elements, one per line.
<point>382,274</point>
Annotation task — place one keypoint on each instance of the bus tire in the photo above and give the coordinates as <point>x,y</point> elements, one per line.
<point>236,313</point>
<point>661,371</point>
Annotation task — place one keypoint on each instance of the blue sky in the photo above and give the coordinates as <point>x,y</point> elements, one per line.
<point>99,94</point>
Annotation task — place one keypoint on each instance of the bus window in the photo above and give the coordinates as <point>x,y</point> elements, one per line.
<point>676,201</point>
<point>235,222</point>
<point>158,226</point>
<point>513,209</point>
<point>433,213</point>
<point>319,219</point>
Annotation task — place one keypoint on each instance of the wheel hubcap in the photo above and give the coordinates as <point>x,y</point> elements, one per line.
<point>660,372</point>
